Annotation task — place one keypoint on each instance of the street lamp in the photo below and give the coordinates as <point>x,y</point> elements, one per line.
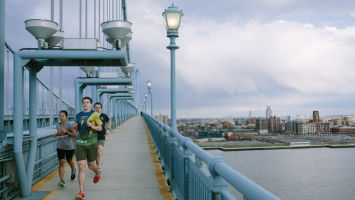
<point>172,17</point>
<point>149,85</point>
<point>145,103</point>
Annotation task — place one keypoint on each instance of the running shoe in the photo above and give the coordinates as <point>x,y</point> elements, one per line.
<point>96,179</point>
<point>80,196</point>
<point>72,176</point>
<point>61,183</point>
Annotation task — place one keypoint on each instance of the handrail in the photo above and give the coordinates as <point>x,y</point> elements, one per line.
<point>217,167</point>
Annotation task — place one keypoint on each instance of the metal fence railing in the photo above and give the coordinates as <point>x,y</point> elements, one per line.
<point>193,173</point>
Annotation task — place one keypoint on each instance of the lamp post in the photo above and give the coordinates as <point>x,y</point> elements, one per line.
<point>145,103</point>
<point>172,16</point>
<point>149,85</point>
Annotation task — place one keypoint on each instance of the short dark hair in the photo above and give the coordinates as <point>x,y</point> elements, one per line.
<point>98,103</point>
<point>65,112</point>
<point>86,98</point>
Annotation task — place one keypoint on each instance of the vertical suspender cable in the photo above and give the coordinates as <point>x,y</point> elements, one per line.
<point>60,68</point>
<point>109,9</point>
<point>99,19</point>
<point>99,70</point>
<point>80,25</point>
<point>80,15</point>
<point>107,13</point>
<point>113,10</point>
<point>124,12</point>
<point>51,77</point>
<point>61,15</point>
<point>86,18</point>
<point>52,10</point>
<point>2,67</point>
<point>95,19</point>
<point>117,8</point>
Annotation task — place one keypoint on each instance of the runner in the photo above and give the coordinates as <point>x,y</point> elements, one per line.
<point>65,146</point>
<point>87,123</point>
<point>101,135</point>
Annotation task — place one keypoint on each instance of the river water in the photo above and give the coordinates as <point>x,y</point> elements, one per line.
<point>298,174</point>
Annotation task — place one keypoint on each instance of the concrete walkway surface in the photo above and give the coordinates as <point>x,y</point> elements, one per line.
<point>130,170</point>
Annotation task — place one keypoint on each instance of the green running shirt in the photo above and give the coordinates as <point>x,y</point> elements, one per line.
<point>86,135</point>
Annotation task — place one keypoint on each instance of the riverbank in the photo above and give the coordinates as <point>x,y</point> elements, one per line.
<point>274,147</point>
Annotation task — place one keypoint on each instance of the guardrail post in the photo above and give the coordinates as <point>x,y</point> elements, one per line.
<point>186,156</point>
<point>172,143</point>
<point>218,183</point>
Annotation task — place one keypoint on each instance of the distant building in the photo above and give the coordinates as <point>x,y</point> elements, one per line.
<point>274,125</point>
<point>289,118</point>
<point>268,112</point>
<point>304,128</point>
<point>262,125</point>
<point>316,116</point>
<point>343,121</point>
<point>342,130</point>
<point>163,118</point>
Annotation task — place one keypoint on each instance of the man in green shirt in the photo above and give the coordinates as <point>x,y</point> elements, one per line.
<point>87,123</point>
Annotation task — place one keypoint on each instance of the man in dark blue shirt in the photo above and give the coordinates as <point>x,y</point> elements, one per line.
<point>106,124</point>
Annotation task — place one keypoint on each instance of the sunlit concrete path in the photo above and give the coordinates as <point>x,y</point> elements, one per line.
<point>130,170</point>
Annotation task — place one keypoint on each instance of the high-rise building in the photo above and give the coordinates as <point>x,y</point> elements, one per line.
<point>249,114</point>
<point>268,112</point>
<point>262,125</point>
<point>274,125</point>
<point>316,116</point>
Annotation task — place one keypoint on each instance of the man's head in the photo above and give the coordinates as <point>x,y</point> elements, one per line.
<point>86,102</point>
<point>98,107</point>
<point>63,116</point>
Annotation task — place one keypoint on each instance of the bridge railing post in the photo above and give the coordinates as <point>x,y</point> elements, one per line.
<point>186,159</point>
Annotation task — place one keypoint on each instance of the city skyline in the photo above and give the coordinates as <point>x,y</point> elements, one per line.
<point>295,56</point>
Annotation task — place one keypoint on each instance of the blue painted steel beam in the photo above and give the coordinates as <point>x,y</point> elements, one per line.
<point>120,95</point>
<point>75,57</point>
<point>81,83</point>
<point>81,62</point>
<point>33,126</point>
<point>104,81</point>
<point>18,125</point>
<point>100,92</point>
<point>2,68</point>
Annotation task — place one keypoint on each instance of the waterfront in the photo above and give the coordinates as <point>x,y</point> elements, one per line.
<point>302,174</point>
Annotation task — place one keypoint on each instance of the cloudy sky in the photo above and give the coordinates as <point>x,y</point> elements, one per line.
<point>235,56</point>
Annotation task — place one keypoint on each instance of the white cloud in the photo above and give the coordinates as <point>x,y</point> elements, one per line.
<point>245,60</point>
<point>258,63</point>
<point>294,55</point>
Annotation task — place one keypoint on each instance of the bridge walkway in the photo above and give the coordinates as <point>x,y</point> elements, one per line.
<point>130,170</point>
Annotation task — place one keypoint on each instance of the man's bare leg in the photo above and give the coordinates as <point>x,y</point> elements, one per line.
<point>100,152</point>
<point>81,166</point>
<point>94,168</point>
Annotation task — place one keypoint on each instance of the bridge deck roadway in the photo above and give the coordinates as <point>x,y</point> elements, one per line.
<point>130,170</point>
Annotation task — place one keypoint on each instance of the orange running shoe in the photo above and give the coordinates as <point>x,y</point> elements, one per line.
<point>80,196</point>
<point>96,179</point>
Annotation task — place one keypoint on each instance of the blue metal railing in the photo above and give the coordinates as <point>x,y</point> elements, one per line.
<point>193,173</point>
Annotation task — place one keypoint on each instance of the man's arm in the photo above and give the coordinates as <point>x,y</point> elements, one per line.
<point>75,126</point>
<point>97,121</point>
<point>108,129</point>
<point>95,128</point>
